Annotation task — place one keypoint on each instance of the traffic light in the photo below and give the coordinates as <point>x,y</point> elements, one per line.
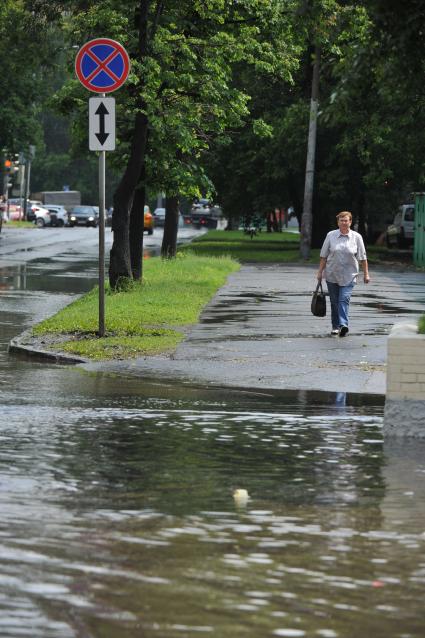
<point>7,165</point>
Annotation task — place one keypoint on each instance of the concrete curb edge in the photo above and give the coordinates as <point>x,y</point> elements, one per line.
<point>20,345</point>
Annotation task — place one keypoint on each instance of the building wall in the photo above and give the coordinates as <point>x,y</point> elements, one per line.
<point>405,396</point>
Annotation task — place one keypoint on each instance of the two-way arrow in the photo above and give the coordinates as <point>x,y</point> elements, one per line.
<point>102,124</point>
<point>102,111</point>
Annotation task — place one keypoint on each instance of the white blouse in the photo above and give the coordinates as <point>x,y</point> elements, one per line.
<point>343,253</point>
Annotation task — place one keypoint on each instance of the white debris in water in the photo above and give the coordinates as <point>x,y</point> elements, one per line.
<point>241,497</point>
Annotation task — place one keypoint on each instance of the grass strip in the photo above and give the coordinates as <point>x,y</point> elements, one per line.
<point>262,248</point>
<point>147,318</point>
<point>277,248</point>
<point>18,224</point>
<point>422,325</point>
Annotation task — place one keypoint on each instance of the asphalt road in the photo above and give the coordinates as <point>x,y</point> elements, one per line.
<point>21,245</point>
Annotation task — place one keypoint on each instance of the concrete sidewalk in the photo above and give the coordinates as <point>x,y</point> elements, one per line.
<point>258,332</point>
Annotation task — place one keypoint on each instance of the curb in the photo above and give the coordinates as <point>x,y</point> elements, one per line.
<point>28,345</point>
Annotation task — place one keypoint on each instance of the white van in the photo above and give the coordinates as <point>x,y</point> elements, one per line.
<point>401,232</point>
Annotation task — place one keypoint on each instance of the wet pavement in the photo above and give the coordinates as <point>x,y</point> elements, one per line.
<point>258,332</point>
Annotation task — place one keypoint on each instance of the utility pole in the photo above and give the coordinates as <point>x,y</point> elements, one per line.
<point>27,178</point>
<point>21,178</point>
<point>7,165</point>
<point>307,216</point>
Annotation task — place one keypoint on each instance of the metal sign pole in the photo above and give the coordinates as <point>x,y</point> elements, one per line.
<point>102,163</point>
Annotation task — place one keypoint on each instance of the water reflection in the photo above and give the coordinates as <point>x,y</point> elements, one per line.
<point>341,399</point>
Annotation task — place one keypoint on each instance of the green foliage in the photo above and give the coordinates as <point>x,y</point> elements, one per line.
<point>51,171</point>
<point>369,153</point>
<point>27,51</point>
<point>422,325</point>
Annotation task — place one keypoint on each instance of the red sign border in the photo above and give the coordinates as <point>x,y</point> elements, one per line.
<point>84,50</point>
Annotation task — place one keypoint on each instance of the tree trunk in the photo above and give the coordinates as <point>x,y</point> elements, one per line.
<point>169,239</point>
<point>231,223</point>
<point>307,216</point>
<point>269,222</point>
<point>137,224</point>
<point>120,267</point>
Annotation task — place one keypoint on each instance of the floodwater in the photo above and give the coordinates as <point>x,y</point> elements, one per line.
<point>118,517</point>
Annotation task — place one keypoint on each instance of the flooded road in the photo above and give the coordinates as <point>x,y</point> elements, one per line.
<point>117,508</point>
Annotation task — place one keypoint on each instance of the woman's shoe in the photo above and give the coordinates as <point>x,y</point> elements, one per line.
<point>343,331</point>
<point>334,332</point>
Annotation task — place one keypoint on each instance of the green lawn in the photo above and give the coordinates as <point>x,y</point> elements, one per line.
<point>264,247</point>
<point>149,317</point>
<point>276,247</point>
<point>422,325</point>
<point>17,224</point>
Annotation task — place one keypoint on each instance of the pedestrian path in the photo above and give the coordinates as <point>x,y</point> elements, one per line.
<point>258,332</point>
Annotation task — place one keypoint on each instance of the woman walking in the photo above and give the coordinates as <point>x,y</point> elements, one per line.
<point>342,252</point>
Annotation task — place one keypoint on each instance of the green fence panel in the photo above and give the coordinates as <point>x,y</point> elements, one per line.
<point>419,242</point>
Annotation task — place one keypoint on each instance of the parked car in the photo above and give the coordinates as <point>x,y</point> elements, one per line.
<point>401,231</point>
<point>11,212</point>
<point>148,219</point>
<point>44,218</point>
<point>58,214</point>
<point>83,216</point>
<point>33,207</point>
<point>159,216</point>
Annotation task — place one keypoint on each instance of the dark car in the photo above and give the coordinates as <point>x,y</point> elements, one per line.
<point>83,216</point>
<point>205,214</point>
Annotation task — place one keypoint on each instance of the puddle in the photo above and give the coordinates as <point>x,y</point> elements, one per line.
<point>120,511</point>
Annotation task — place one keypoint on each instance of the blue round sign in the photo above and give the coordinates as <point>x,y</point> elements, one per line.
<point>102,65</point>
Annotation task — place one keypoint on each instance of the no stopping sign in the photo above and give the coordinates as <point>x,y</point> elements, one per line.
<point>102,65</point>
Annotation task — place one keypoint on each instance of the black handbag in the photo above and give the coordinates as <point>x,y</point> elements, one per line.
<point>318,302</point>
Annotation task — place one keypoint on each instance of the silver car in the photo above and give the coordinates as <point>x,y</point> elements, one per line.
<point>58,214</point>
<point>402,231</point>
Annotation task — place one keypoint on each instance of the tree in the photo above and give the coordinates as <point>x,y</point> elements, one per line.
<point>27,51</point>
<point>375,112</point>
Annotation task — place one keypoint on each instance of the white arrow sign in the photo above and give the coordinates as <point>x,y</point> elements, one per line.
<point>102,124</point>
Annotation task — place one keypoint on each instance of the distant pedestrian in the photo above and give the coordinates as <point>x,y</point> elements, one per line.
<point>341,253</point>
